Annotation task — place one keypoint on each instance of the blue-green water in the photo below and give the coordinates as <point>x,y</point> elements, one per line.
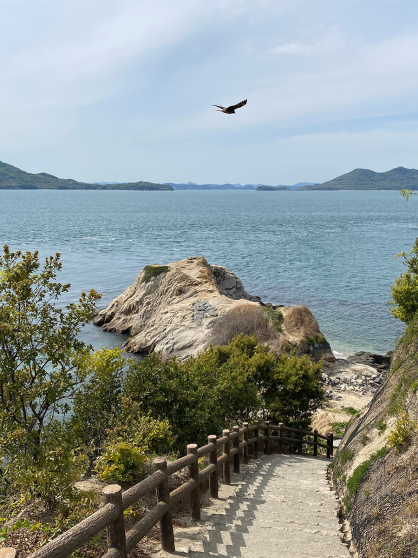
<point>333,251</point>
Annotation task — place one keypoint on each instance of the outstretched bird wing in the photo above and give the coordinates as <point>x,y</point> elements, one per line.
<point>219,107</point>
<point>238,105</point>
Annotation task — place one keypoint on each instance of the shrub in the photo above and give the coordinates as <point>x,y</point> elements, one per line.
<point>293,390</point>
<point>223,386</point>
<point>351,411</point>
<point>381,426</point>
<point>132,426</point>
<point>59,463</point>
<point>120,461</point>
<point>318,340</point>
<point>41,369</point>
<point>99,399</point>
<point>401,435</point>
<point>245,318</point>
<point>339,428</point>
<point>132,437</point>
<point>405,289</point>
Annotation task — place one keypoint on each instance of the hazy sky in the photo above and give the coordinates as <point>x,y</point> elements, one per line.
<point>99,90</point>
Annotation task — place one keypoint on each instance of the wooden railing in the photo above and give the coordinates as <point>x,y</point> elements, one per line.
<point>111,518</point>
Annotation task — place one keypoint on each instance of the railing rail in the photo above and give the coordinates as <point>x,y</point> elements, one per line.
<point>110,516</point>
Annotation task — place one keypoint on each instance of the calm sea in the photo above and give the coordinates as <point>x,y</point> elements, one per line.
<point>333,251</point>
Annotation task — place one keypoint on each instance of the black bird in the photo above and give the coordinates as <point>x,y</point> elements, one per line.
<point>231,109</point>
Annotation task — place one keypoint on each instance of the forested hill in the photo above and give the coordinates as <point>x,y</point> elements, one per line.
<point>12,178</point>
<point>364,179</point>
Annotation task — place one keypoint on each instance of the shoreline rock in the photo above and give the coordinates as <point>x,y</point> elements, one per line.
<point>180,309</point>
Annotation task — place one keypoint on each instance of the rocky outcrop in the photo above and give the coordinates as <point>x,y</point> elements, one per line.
<point>178,310</point>
<point>376,468</point>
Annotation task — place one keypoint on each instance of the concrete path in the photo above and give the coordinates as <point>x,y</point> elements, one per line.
<point>279,506</point>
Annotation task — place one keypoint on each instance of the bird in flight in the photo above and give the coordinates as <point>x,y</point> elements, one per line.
<point>231,109</point>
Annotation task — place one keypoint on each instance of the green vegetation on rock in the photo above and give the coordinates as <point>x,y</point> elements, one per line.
<point>318,340</point>
<point>339,428</point>
<point>274,315</point>
<point>151,271</point>
<point>359,472</point>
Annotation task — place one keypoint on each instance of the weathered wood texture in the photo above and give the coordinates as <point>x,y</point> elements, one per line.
<point>163,495</point>
<point>110,516</point>
<point>115,531</point>
<point>194,496</point>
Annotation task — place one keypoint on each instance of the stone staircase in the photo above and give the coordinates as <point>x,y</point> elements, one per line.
<point>279,506</point>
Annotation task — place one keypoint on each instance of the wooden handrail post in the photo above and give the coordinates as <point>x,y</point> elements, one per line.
<point>213,460</point>
<point>267,433</point>
<point>194,497</point>
<point>330,444</point>
<point>227,465</point>
<point>255,446</point>
<point>300,442</point>
<point>315,439</point>
<point>163,495</point>
<point>236,445</point>
<point>245,426</point>
<point>112,494</point>
<point>281,437</point>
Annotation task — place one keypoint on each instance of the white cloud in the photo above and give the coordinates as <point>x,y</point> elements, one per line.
<point>90,86</point>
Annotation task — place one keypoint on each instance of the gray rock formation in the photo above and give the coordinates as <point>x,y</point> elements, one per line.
<point>177,310</point>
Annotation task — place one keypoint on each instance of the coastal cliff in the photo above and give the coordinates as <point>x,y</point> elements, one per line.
<point>376,468</point>
<point>181,309</point>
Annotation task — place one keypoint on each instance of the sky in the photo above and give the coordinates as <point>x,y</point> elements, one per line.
<point>98,90</point>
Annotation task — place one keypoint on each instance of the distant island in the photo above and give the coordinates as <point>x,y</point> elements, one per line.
<point>12,178</point>
<point>364,179</point>
<point>239,187</point>
<point>272,188</point>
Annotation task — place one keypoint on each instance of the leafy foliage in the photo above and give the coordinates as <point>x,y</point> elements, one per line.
<point>119,461</point>
<point>41,353</point>
<point>98,401</point>
<point>223,386</point>
<point>405,289</point>
<point>401,434</point>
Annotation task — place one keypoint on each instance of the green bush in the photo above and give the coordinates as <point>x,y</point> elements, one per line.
<point>401,435</point>
<point>381,426</point>
<point>131,425</point>
<point>120,461</point>
<point>98,401</point>
<point>41,369</point>
<point>405,289</point>
<point>59,463</point>
<point>223,386</point>
<point>130,440</point>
